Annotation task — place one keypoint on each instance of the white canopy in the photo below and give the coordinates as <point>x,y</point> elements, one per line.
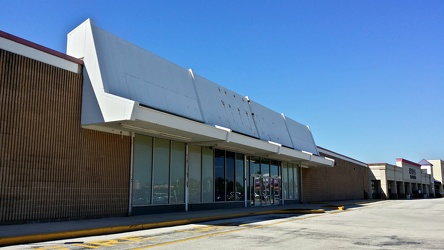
<point>128,89</point>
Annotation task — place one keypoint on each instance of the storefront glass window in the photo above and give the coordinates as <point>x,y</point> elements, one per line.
<point>255,168</point>
<point>219,175</point>
<point>291,182</point>
<point>240,190</point>
<point>274,168</point>
<point>207,175</point>
<point>229,174</point>
<point>285,180</point>
<point>177,185</point>
<point>142,170</point>
<point>161,163</point>
<point>194,184</point>
<point>265,167</point>
<point>296,182</point>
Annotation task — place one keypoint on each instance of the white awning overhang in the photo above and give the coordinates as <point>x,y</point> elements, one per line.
<point>156,123</point>
<point>177,104</point>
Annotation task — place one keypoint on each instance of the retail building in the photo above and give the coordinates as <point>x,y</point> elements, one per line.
<point>111,130</point>
<point>406,179</point>
<point>438,176</point>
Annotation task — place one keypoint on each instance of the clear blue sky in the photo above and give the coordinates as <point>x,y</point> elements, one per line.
<point>366,76</point>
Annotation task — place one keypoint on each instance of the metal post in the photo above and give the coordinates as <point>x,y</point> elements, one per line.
<point>245,181</point>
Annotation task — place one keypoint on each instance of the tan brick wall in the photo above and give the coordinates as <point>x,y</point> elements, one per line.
<point>51,168</point>
<point>344,181</point>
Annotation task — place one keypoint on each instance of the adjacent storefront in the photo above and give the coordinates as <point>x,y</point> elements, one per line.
<point>438,176</point>
<point>406,179</point>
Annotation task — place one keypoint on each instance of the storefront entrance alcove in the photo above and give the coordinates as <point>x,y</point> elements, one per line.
<point>267,190</point>
<point>265,182</point>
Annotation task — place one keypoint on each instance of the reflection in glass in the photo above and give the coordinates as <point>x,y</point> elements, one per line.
<point>291,182</point>
<point>255,169</point>
<point>207,175</point>
<point>285,180</point>
<point>142,170</point>
<point>274,168</point>
<point>257,189</point>
<point>255,166</point>
<point>275,184</point>
<point>194,184</point>
<point>219,175</point>
<point>177,186</point>
<point>265,167</point>
<point>229,175</point>
<point>239,177</point>
<point>296,182</point>
<point>161,171</point>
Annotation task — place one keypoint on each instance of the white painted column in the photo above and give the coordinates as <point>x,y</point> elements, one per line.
<point>384,185</point>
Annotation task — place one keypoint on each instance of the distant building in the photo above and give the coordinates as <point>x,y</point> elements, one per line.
<point>438,175</point>
<point>406,179</point>
<point>427,167</point>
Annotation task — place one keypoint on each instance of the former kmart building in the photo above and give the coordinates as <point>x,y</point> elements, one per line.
<point>111,130</point>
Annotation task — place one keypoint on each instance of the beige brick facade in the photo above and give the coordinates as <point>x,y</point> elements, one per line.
<point>50,167</point>
<point>345,181</point>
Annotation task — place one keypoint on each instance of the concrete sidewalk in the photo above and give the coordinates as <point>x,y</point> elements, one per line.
<point>37,232</point>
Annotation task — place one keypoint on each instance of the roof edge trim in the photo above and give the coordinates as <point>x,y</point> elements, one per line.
<point>39,47</point>
<point>408,162</point>
<point>340,156</point>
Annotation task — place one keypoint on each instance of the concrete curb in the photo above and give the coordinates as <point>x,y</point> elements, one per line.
<point>26,239</point>
<point>336,207</point>
<point>299,211</point>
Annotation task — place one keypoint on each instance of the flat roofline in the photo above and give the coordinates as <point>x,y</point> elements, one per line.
<point>381,163</point>
<point>40,47</point>
<point>408,162</point>
<point>436,160</point>
<point>341,155</point>
<point>377,164</point>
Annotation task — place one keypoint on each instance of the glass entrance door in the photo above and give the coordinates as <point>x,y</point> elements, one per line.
<point>276,189</point>
<point>266,190</point>
<point>267,194</point>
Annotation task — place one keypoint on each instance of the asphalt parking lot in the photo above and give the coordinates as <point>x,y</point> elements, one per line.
<point>393,224</point>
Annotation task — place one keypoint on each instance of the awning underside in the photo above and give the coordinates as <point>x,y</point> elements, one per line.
<point>159,124</point>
